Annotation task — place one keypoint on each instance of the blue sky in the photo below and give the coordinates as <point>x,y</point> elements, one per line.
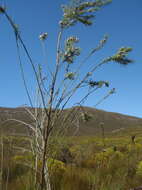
<point>121,20</point>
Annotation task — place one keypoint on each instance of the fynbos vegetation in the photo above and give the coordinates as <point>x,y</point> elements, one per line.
<point>49,160</point>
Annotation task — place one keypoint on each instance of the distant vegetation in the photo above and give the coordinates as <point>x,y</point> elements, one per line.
<point>97,162</point>
<point>81,163</point>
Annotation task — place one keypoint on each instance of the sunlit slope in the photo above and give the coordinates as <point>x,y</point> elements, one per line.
<point>111,122</point>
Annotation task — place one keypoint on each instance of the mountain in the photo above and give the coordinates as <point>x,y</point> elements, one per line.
<point>111,122</point>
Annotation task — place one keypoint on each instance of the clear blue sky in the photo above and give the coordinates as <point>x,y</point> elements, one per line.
<point>121,20</point>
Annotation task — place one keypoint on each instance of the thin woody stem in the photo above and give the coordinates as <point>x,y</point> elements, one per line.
<point>47,127</point>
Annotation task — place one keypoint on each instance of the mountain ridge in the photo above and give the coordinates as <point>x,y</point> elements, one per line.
<point>112,121</point>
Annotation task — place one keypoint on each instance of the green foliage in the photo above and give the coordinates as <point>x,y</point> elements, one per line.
<point>70,51</point>
<point>82,12</point>
<point>117,166</point>
<point>56,172</point>
<point>55,166</point>
<point>27,158</point>
<point>99,84</point>
<point>70,76</point>
<point>139,169</point>
<point>121,56</point>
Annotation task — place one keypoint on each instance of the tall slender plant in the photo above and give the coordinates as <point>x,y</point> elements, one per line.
<point>54,94</point>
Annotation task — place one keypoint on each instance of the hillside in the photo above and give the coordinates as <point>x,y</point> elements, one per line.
<point>112,122</point>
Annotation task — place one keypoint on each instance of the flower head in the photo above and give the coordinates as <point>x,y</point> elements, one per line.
<point>43,36</point>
